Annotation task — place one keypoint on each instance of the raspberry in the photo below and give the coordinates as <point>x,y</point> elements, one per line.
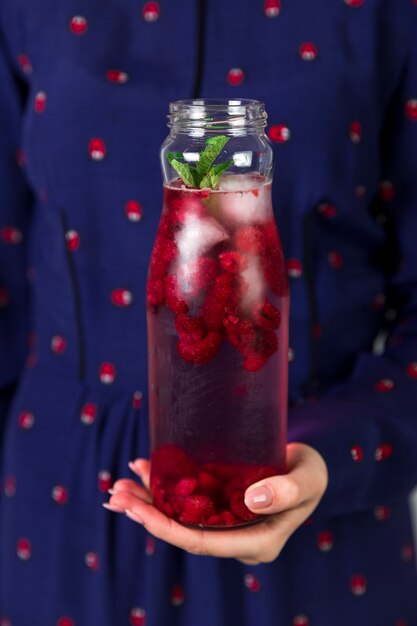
<point>155,292</point>
<point>229,519</point>
<point>197,274</point>
<point>250,239</point>
<point>201,351</point>
<point>190,329</point>
<point>215,520</point>
<point>163,253</point>
<point>174,302</point>
<point>185,487</point>
<point>239,508</point>
<point>207,482</point>
<point>171,462</point>
<point>242,336</point>
<point>266,316</point>
<point>233,262</point>
<point>267,343</point>
<point>254,362</point>
<point>197,508</point>
<point>221,301</point>
<point>182,208</point>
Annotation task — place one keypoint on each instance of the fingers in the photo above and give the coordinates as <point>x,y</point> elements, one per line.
<point>142,468</point>
<point>306,481</point>
<point>132,487</point>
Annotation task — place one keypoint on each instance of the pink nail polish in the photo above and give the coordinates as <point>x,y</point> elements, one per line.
<point>259,497</point>
<point>131,465</point>
<point>111,491</point>
<point>134,516</point>
<point>112,507</point>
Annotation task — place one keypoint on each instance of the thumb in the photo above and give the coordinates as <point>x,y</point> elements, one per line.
<point>273,495</point>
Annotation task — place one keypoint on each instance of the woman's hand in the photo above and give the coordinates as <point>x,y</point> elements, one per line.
<point>288,499</point>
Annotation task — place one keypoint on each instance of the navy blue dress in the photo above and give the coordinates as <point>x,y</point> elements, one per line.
<point>84,90</point>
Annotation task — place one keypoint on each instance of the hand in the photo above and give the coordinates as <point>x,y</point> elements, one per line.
<point>288,499</point>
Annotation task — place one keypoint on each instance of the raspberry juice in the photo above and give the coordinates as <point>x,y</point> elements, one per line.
<point>217,308</point>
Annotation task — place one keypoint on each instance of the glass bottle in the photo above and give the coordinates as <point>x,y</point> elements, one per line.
<point>217,311</point>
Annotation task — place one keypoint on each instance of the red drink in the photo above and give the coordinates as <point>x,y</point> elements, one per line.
<point>218,303</point>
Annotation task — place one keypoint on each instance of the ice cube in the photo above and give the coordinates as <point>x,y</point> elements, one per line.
<point>197,236</point>
<point>255,286</point>
<point>241,200</point>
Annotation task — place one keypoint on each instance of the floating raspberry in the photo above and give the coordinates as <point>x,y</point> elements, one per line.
<point>175,302</point>
<point>215,520</point>
<point>164,252</point>
<point>242,336</point>
<point>155,292</point>
<point>171,462</point>
<point>229,519</point>
<point>183,208</point>
<point>254,362</point>
<point>222,300</point>
<point>201,351</point>
<point>197,274</point>
<point>266,316</point>
<point>250,239</point>
<point>267,343</point>
<point>233,262</point>
<point>239,508</point>
<point>190,329</point>
<point>207,482</point>
<point>185,487</point>
<point>197,508</point>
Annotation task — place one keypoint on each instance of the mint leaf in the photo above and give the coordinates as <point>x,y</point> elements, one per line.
<point>209,180</point>
<point>184,171</point>
<point>220,167</point>
<point>214,146</point>
<point>173,155</point>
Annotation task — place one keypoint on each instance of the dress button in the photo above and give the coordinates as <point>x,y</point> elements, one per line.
<point>272,8</point>
<point>97,149</point>
<point>117,76</point>
<point>40,102</point>
<point>279,133</point>
<point>78,25</point>
<point>151,11</point>
<point>235,76</point>
<point>308,51</point>
<point>133,211</point>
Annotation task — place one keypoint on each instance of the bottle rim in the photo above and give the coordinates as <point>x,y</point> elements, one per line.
<point>215,114</point>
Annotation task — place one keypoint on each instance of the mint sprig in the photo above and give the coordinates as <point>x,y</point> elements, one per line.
<point>205,174</point>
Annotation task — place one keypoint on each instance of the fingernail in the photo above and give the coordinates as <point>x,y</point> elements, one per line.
<point>112,507</point>
<point>134,516</point>
<point>111,492</point>
<point>131,464</point>
<point>259,497</point>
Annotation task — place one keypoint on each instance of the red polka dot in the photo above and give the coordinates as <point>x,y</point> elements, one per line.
<point>327,210</point>
<point>325,541</point>
<point>10,486</point>
<point>272,8</point>
<point>382,513</point>
<point>25,63</point>
<point>360,191</point>
<point>117,76</point>
<point>107,373</point>
<point>378,301</point>
<point>386,191</point>
<point>384,451</point>
<point>65,621</point>
<point>4,621</point>
<point>137,400</point>
<point>40,102</point>
<point>21,157</point>
<point>412,370</point>
<point>317,331</point>
<point>78,25</point>
<point>32,359</point>
<point>4,297</point>
<point>407,552</point>
<point>150,546</point>
<point>92,561</point>
<point>357,453</point>
<point>58,344</point>
<point>252,583</point>
<point>151,11</point>
<point>104,481</point>
<point>24,549</point>
<point>385,385</point>
<point>301,620</point>
<point>335,259</point>
<point>97,149</point>
<point>358,584</point>
<point>11,235</point>
<point>177,595</point>
<point>26,420</point>
<point>137,616</point>
<point>354,3</point>
<point>279,133</point>
<point>411,109</point>
<point>294,268</point>
<point>308,51</point>
<point>133,210</point>
<point>72,239</point>
<point>355,132</point>
<point>121,297</point>
<point>88,413</point>
<point>59,494</point>
<point>235,76</point>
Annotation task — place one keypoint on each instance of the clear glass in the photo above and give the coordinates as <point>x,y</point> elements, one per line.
<point>217,310</point>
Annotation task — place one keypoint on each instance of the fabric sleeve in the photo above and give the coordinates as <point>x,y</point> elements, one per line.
<point>366,427</point>
<point>15,205</point>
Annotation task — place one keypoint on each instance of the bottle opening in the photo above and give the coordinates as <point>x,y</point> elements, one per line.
<point>216,115</point>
